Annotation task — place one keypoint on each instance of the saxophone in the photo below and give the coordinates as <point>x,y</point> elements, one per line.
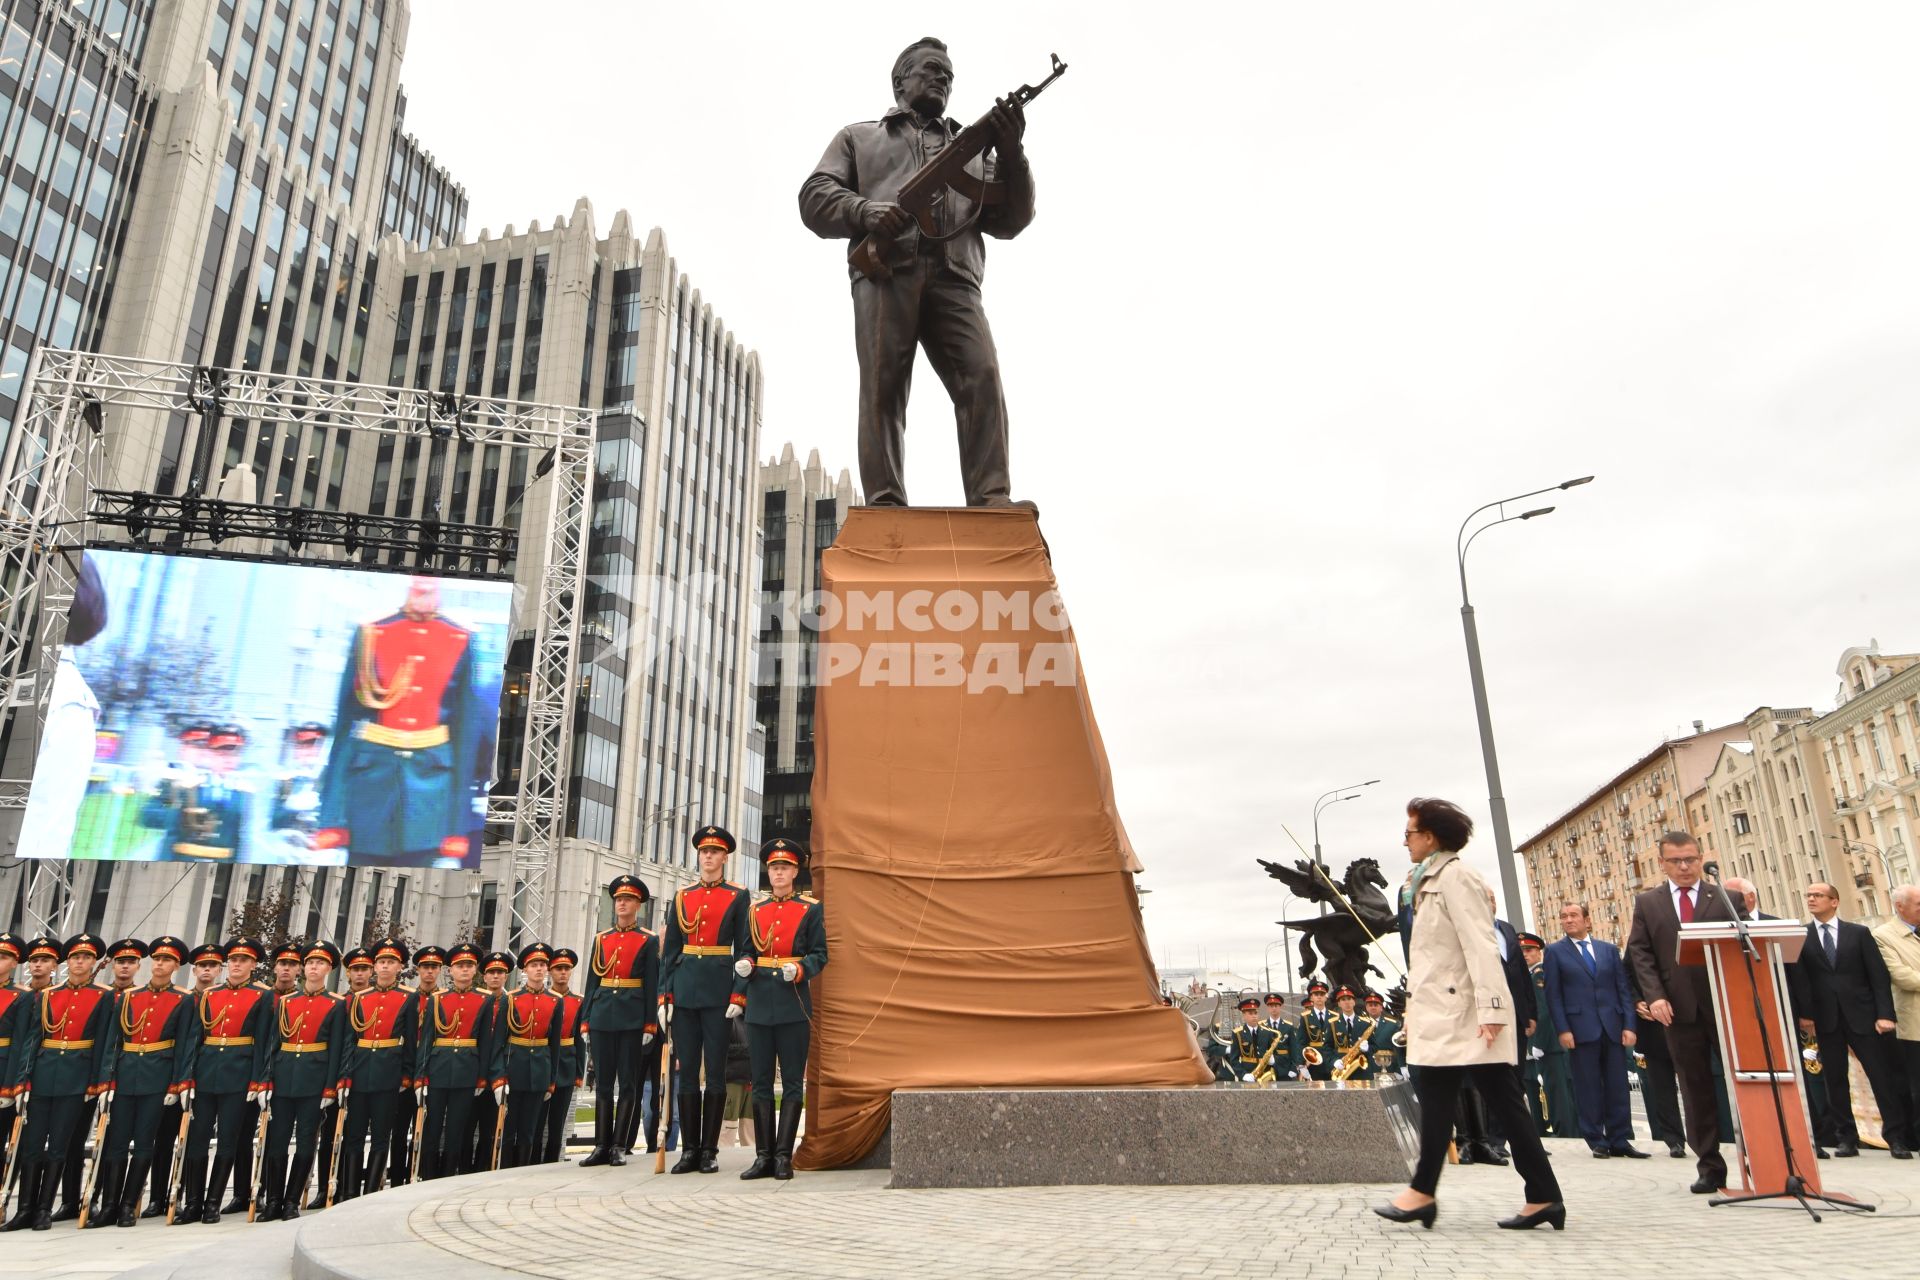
<point>1352,1060</point>
<point>1810,1052</point>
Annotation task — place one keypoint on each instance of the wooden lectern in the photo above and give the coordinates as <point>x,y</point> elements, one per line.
<point>1751,1079</point>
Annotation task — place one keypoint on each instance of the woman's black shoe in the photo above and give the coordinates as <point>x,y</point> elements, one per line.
<point>1554,1215</point>
<point>1424,1215</point>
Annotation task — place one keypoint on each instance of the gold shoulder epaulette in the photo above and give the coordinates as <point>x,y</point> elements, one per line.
<point>807,897</point>
<point>731,885</point>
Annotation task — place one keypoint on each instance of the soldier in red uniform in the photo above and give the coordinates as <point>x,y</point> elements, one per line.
<point>379,1069</point>
<point>153,1072</point>
<point>457,1058</point>
<point>533,1056</point>
<point>495,968</point>
<point>623,981</point>
<point>427,964</point>
<point>303,1080</point>
<point>66,1060</point>
<point>789,935</point>
<point>358,964</point>
<point>573,1057</point>
<point>13,949</point>
<point>706,934</point>
<point>231,1029</point>
<point>399,784</point>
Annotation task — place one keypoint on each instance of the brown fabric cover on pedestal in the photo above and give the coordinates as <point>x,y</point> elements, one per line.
<point>981,919</point>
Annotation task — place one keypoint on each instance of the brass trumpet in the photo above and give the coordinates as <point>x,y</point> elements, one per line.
<point>1400,1038</point>
<point>1311,1056</point>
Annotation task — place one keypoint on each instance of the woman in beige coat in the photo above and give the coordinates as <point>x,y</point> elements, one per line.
<point>1460,1020</point>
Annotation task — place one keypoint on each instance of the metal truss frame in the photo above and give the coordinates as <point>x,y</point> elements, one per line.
<point>44,497</point>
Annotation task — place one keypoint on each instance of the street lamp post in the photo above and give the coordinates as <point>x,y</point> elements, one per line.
<point>1886,863</point>
<point>1496,799</point>
<point>1326,799</point>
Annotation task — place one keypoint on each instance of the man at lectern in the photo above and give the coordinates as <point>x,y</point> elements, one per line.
<point>1842,994</point>
<point>1678,996</point>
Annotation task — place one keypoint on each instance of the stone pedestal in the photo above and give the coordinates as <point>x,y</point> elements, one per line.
<point>1285,1133</point>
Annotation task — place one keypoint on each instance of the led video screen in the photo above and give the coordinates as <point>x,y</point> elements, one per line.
<point>223,711</point>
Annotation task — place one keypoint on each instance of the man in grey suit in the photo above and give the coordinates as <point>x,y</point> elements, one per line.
<point>1678,996</point>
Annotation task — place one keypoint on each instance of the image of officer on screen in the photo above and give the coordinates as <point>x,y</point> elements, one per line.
<point>203,808</point>
<point>398,786</point>
<point>296,792</point>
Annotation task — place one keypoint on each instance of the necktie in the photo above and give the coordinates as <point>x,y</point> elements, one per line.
<point>1586,953</point>
<point>1686,906</point>
<point>1826,940</point>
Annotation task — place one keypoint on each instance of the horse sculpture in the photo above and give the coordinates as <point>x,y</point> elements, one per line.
<point>1340,937</point>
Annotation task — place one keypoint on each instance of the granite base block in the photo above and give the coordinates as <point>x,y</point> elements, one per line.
<point>1285,1133</point>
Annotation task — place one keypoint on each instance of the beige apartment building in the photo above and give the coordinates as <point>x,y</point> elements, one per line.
<point>1869,748</point>
<point>1604,849</point>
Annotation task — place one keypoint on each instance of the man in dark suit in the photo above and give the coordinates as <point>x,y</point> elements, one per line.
<point>1478,1136</point>
<point>1588,998</point>
<point>1841,993</point>
<point>1678,996</point>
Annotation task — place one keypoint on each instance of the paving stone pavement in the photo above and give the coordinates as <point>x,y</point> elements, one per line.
<point>561,1222</point>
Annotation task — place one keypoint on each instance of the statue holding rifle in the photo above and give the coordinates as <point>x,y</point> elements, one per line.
<point>915,192</point>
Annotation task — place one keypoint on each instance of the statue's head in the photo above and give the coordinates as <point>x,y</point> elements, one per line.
<point>923,76</point>
<point>1367,871</point>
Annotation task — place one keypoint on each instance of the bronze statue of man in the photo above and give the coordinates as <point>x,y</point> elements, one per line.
<point>929,294</point>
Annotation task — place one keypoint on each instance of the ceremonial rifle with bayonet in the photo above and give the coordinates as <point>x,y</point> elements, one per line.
<point>927,188</point>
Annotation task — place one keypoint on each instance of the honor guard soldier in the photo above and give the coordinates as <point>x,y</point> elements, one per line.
<point>1546,1067</point>
<point>152,1078</point>
<point>66,1058</point>
<point>1277,1013</point>
<point>296,794</point>
<point>427,964</point>
<point>1287,1064</point>
<point>399,783</point>
<point>13,949</point>
<point>618,1011</point>
<point>206,820</point>
<point>232,1030</point>
<point>533,1057</point>
<point>573,1057</point>
<point>284,982</point>
<point>495,968</point>
<point>458,1058</point>
<point>1352,1037</point>
<point>789,936</point>
<point>1316,1032</point>
<point>303,1080</point>
<point>1255,1044</point>
<point>1388,1058</point>
<point>124,958</point>
<point>379,1069</point>
<point>358,964</point>
<point>706,934</point>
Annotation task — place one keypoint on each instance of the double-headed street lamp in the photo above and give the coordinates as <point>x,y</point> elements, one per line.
<point>1349,792</point>
<point>1496,801</point>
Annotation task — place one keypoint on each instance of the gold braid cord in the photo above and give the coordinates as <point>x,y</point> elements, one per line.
<point>367,688</point>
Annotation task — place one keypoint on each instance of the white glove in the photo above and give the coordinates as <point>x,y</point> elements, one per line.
<point>646,1038</point>
<point>734,1011</point>
<point>1247,1079</point>
<point>344,1090</point>
<point>7,1102</point>
<point>479,1089</point>
<point>742,967</point>
<point>171,1100</point>
<point>1536,1052</point>
<point>790,971</point>
<point>420,1094</point>
<point>499,1094</point>
<point>664,1014</point>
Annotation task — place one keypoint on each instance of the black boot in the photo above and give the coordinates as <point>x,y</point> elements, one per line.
<point>209,1201</point>
<point>132,1185</point>
<point>160,1194</point>
<point>690,1153</point>
<point>106,1194</point>
<point>762,1166</point>
<point>376,1173</point>
<point>790,1109</point>
<point>193,1196</point>
<point>43,1203</point>
<point>296,1185</point>
<point>713,1119</point>
<point>602,1128</point>
<point>29,1188</point>
<point>623,1120</point>
<point>242,1185</point>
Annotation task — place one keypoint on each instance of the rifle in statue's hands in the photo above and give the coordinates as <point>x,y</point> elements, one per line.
<point>924,191</point>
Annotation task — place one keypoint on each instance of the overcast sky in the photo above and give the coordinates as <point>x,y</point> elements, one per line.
<point>1307,284</point>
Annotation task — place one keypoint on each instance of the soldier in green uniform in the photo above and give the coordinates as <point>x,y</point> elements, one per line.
<point>1389,1059</point>
<point>618,1011</point>
<point>13,949</point>
<point>427,963</point>
<point>534,1024</point>
<point>1546,1075</point>
<point>154,1069</point>
<point>65,1059</point>
<point>1253,1045</point>
<point>1352,1036</point>
<point>208,816</point>
<point>232,1031</point>
<point>358,964</point>
<point>379,1064</point>
<point>788,931</point>
<point>309,1040</point>
<point>495,968</point>
<point>286,980</point>
<point>458,1058</point>
<point>707,932</point>
<point>573,1054</point>
<point>1316,1032</point>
